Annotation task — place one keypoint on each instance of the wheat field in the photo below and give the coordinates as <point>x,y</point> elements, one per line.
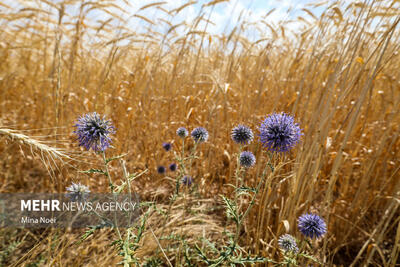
<point>337,73</point>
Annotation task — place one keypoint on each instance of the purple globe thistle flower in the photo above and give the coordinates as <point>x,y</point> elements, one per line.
<point>247,159</point>
<point>77,192</point>
<point>288,243</point>
<point>94,132</point>
<point>279,132</point>
<point>199,135</point>
<point>242,135</point>
<point>187,180</point>
<point>172,167</point>
<point>161,169</point>
<point>182,132</point>
<point>311,225</point>
<point>167,146</point>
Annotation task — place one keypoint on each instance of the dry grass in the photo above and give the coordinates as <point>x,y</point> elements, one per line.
<point>339,77</point>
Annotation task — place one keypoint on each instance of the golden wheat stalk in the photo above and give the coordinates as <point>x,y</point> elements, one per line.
<point>34,145</point>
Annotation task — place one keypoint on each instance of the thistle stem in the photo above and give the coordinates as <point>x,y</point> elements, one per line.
<point>112,192</point>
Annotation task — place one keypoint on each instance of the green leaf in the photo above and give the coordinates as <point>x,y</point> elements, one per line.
<point>248,259</point>
<point>246,189</point>
<point>202,255</point>
<point>95,171</point>
<point>114,158</point>
<point>210,245</point>
<point>230,208</point>
<point>309,257</point>
<point>91,231</point>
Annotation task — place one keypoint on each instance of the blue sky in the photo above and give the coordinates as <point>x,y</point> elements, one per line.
<point>224,16</point>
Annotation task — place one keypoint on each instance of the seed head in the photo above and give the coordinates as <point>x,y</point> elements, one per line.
<point>94,132</point>
<point>247,159</point>
<point>199,135</point>
<point>172,167</point>
<point>187,180</point>
<point>288,243</point>
<point>311,225</point>
<point>167,146</point>
<point>242,135</point>
<point>279,132</point>
<point>182,132</point>
<point>77,192</point>
<point>161,169</point>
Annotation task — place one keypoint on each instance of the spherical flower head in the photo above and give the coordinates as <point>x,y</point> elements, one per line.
<point>199,135</point>
<point>311,225</point>
<point>172,167</point>
<point>77,192</point>
<point>94,132</point>
<point>182,132</point>
<point>279,132</point>
<point>167,146</point>
<point>247,159</point>
<point>161,169</point>
<point>242,135</point>
<point>288,243</point>
<point>187,180</point>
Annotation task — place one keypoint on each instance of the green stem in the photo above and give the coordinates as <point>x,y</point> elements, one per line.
<point>252,202</point>
<point>259,185</point>
<point>192,155</point>
<point>108,174</point>
<point>237,174</point>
